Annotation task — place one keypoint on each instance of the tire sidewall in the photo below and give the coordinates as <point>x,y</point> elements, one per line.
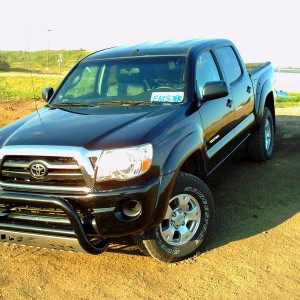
<point>189,185</point>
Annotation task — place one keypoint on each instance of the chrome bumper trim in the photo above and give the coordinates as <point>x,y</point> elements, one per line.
<point>43,188</point>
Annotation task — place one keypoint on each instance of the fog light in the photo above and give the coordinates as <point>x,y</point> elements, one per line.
<point>131,208</point>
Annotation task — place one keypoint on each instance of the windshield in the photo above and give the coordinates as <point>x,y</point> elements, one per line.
<point>126,81</point>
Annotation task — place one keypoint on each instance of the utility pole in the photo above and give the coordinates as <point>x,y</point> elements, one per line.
<point>47,69</point>
<point>60,62</point>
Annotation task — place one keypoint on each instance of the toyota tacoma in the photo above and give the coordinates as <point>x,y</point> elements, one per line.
<point>124,145</point>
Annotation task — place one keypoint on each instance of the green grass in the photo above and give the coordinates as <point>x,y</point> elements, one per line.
<point>30,72</point>
<point>26,86</point>
<point>45,61</point>
<point>292,100</point>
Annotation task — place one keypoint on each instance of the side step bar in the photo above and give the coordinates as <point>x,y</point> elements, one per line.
<point>45,201</point>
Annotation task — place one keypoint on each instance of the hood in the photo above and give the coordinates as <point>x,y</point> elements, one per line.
<point>92,128</point>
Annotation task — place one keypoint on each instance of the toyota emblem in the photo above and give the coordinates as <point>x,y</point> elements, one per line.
<point>38,170</point>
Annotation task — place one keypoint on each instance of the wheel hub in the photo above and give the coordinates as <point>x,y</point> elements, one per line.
<point>178,219</point>
<point>182,220</point>
<point>268,135</point>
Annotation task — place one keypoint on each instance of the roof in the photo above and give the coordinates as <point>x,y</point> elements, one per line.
<point>170,47</point>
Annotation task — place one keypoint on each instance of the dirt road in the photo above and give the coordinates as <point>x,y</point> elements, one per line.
<point>253,253</point>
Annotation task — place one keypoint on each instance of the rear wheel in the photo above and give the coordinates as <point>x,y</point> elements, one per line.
<point>186,225</point>
<point>260,144</point>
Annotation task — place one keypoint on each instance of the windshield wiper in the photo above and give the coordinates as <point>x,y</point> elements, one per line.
<point>70,104</point>
<point>120,102</point>
<point>115,102</point>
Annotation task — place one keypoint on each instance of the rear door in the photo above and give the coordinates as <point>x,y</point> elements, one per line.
<point>240,86</point>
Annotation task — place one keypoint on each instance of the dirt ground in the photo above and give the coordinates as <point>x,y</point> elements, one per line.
<point>253,253</point>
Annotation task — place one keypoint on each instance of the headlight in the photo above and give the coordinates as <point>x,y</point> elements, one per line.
<point>124,163</point>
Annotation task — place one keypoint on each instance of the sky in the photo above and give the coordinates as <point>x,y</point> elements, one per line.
<point>262,30</point>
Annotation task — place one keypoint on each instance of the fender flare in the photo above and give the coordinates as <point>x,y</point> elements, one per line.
<point>182,150</point>
<point>261,100</point>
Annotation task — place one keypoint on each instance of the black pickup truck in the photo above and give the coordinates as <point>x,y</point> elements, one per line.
<point>125,144</point>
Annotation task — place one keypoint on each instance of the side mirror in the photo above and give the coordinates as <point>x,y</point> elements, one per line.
<point>214,90</point>
<point>47,93</point>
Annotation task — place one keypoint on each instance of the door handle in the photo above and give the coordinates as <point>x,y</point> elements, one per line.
<point>229,103</point>
<point>249,89</point>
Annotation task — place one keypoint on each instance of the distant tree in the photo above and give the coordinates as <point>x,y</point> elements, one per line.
<point>4,65</point>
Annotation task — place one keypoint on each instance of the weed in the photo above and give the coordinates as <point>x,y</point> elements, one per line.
<point>292,100</point>
<point>25,86</point>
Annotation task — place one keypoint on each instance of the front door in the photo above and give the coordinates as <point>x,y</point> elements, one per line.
<point>217,116</point>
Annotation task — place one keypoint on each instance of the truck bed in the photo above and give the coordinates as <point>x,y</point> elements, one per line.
<point>255,67</point>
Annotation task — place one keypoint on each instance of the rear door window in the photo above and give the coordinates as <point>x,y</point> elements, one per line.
<point>230,63</point>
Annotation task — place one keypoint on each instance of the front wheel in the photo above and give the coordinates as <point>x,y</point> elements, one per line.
<point>186,224</point>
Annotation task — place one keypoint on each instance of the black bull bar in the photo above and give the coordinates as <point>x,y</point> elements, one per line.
<point>36,236</point>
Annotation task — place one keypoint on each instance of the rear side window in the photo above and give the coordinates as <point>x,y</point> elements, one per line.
<point>230,63</point>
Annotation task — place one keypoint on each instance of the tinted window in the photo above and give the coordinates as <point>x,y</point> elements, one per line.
<point>206,71</point>
<point>84,83</point>
<point>229,63</point>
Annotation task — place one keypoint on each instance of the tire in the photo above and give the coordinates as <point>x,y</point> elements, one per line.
<point>260,144</point>
<point>139,243</point>
<point>186,225</point>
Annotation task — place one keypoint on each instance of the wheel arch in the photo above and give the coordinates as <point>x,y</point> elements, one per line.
<point>265,99</point>
<point>270,103</point>
<point>184,154</point>
<point>194,165</point>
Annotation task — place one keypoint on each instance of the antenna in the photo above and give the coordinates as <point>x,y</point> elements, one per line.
<point>30,68</point>
<point>32,82</point>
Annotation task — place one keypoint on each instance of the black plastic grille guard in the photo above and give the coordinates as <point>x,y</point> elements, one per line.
<point>9,197</point>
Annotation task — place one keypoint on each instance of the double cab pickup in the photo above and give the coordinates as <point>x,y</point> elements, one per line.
<point>124,145</point>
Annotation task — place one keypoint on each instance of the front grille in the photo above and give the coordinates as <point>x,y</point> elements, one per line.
<point>61,171</point>
<point>48,169</point>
